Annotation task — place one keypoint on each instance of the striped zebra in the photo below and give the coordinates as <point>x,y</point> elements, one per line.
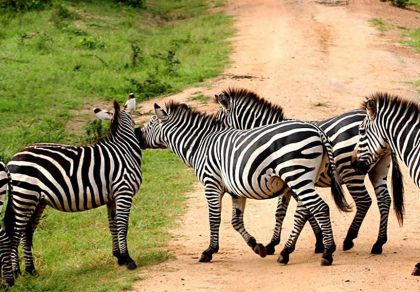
<point>258,164</point>
<point>5,263</point>
<point>243,109</point>
<point>76,178</point>
<point>391,122</point>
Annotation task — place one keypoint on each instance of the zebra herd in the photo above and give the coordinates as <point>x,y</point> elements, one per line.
<point>247,149</point>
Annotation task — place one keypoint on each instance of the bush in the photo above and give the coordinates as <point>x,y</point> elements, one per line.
<point>24,5</point>
<point>133,3</point>
<point>400,3</point>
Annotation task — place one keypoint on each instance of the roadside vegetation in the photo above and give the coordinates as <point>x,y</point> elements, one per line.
<point>59,60</point>
<point>408,37</point>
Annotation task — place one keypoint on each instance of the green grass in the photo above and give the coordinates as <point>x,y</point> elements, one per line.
<point>413,39</point>
<point>55,65</point>
<point>200,98</point>
<point>73,250</point>
<point>411,36</point>
<point>381,24</point>
<point>60,59</point>
<point>414,3</point>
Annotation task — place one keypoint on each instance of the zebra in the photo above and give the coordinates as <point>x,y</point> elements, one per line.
<point>76,178</point>
<point>5,263</point>
<point>391,122</point>
<point>258,164</point>
<point>244,109</point>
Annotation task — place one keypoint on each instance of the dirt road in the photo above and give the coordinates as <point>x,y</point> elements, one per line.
<point>316,61</point>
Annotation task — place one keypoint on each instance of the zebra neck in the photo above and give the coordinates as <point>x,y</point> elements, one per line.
<point>187,139</point>
<point>402,132</point>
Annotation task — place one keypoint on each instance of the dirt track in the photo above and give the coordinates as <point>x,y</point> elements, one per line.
<point>315,61</point>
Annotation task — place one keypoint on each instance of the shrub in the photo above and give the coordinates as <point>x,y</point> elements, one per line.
<point>400,3</point>
<point>24,5</point>
<point>134,3</point>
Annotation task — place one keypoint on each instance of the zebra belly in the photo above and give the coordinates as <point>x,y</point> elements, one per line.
<point>59,192</point>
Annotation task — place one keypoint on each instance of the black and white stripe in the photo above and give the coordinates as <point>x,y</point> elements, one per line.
<point>76,178</point>
<point>243,109</point>
<point>257,164</point>
<point>5,248</point>
<point>391,122</point>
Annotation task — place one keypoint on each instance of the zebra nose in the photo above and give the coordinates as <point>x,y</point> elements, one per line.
<point>360,166</point>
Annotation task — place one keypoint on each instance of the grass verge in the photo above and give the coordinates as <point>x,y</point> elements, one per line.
<point>58,62</point>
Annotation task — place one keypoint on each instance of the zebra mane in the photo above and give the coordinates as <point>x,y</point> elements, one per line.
<point>116,118</point>
<point>382,98</point>
<point>253,100</point>
<point>183,109</point>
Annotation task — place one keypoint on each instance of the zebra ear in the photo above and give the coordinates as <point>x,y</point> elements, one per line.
<point>102,114</point>
<point>160,113</point>
<point>371,109</point>
<point>223,100</point>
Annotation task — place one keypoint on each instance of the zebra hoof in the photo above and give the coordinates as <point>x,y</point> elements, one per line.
<point>9,282</point>
<point>327,260</point>
<point>131,265</point>
<point>260,250</point>
<point>416,271</point>
<point>376,249</point>
<point>31,271</point>
<point>270,249</point>
<point>348,244</point>
<point>121,261</point>
<point>205,258</point>
<point>283,259</point>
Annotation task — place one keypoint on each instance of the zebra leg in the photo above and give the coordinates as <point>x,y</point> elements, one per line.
<point>214,201</point>
<point>5,261</point>
<point>122,214</point>
<point>282,205</point>
<point>319,245</point>
<point>416,271</point>
<point>301,216</point>
<point>378,177</point>
<point>363,201</point>
<point>321,212</point>
<point>238,208</point>
<point>23,218</point>
<point>27,238</point>
<point>114,233</point>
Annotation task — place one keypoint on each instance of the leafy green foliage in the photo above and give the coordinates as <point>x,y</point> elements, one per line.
<point>400,3</point>
<point>24,5</point>
<point>134,3</point>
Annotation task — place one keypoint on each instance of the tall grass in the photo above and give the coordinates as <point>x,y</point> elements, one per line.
<point>59,62</point>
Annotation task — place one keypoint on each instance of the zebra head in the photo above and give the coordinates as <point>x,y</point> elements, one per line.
<point>152,133</point>
<point>122,123</point>
<point>372,144</point>
<point>225,114</point>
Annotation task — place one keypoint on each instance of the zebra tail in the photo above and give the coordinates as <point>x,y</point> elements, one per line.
<point>397,189</point>
<point>336,188</point>
<point>9,216</point>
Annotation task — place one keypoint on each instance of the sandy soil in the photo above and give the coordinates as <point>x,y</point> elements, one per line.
<point>316,61</point>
